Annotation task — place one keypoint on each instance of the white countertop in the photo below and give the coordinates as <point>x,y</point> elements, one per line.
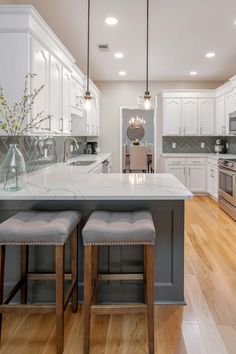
<point>62,182</point>
<point>214,156</point>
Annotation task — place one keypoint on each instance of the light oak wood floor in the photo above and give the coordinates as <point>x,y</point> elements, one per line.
<point>206,325</point>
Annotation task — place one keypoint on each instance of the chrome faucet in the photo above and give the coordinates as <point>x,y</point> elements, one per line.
<point>65,156</point>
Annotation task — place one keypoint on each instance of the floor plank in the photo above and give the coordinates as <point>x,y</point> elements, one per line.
<point>206,325</point>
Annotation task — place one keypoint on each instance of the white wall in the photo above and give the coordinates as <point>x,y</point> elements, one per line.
<point>116,94</point>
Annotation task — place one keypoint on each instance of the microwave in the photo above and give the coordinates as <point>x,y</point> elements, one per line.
<point>232,123</point>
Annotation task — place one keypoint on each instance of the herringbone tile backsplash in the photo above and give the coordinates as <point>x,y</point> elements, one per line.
<point>192,144</point>
<point>33,147</point>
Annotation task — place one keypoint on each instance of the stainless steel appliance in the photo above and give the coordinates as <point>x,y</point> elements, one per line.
<point>220,146</point>
<point>232,123</point>
<point>227,186</point>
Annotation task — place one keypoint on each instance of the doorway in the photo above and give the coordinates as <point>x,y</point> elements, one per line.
<point>137,128</point>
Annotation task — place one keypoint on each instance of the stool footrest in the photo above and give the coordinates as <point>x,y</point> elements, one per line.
<point>46,276</point>
<point>120,276</point>
<point>118,309</point>
<point>27,308</point>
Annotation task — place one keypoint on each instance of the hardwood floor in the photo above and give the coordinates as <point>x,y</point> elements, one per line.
<point>206,325</point>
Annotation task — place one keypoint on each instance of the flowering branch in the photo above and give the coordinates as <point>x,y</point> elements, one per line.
<point>14,119</point>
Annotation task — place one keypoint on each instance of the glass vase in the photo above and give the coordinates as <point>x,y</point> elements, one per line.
<point>12,170</point>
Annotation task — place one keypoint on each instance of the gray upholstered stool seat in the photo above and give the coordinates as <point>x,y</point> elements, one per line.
<point>119,228</point>
<point>39,227</point>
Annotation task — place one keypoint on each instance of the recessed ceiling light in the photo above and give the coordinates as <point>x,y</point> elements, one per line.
<point>210,55</point>
<point>193,73</point>
<point>122,73</point>
<point>235,22</point>
<point>119,55</point>
<point>111,21</point>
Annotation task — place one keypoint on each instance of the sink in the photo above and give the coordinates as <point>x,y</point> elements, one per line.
<point>81,163</point>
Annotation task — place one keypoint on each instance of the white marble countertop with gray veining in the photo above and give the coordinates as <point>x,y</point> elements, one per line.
<point>65,182</point>
<point>206,155</point>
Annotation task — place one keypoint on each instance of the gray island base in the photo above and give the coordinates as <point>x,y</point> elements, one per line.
<point>168,216</point>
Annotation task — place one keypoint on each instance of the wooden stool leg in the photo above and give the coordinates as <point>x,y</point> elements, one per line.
<point>24,271</point>
<point>60,260</point>
<point>95,271</point>
<point>74,269</point>
<point>2,263</point>
<point>149,268</point>
<point>88,259</point>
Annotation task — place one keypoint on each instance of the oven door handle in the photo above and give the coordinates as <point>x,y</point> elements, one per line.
<point>227,172</point>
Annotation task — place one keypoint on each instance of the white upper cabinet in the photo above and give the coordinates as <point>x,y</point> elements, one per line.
<point>233,101</point>
<point>55,93</point>
<point>40,67</point>
<point>190,116</point>
<point>66,102</point>
<point>30,46</point>
<point>206,111</point>
<point>76,100</point>
<point>172,116</point>
<point>220,125</point>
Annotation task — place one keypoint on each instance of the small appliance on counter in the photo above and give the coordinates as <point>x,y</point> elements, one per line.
<point>91,147</point>
<point>220,146</point>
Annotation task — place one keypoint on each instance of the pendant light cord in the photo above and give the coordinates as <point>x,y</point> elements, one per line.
<point>147,48</point>
<point>88,45</point>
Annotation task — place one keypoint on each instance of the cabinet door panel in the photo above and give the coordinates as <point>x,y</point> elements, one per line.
<point>55,93</point>
<point>178,172</point>
<point>220,116</point>
<point>196,178</point>
<point>66,92</point>
<point>190,117</point>
<point>206,116</point>
<point>172,116</point>
<point>40,67</point>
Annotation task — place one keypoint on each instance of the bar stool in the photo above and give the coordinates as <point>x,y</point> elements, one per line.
<point>118,228</point>
<point>45,228</point>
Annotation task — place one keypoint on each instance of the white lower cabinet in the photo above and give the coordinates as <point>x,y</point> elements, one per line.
<point>189,171</point>
<point>212,178</point>
<point>179,172</point>
<point>196,178</point>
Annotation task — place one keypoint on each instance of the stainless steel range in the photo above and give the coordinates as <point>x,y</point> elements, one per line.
<point>227,186</point>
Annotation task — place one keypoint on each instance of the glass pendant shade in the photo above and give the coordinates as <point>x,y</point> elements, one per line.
<point>145,102</point>
<point>89,102</point>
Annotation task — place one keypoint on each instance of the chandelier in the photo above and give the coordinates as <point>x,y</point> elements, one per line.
<point>137,122</point>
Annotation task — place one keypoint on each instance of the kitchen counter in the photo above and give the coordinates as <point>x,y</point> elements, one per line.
<point>64,187</point>
<point>213,156</point>
<point>64,182</point>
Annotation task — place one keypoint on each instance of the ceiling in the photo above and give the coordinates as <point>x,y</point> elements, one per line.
<point>181,33</point>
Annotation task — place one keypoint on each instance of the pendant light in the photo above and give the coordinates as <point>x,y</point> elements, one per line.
<point>144,102</point>
<point>89,102</point>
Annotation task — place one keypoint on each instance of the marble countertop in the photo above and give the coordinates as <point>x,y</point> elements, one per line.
<point>63,182</point>
<point>210,155</point>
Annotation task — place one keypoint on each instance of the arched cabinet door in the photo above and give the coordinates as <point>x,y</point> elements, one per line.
<point>206,116</point>
<point>66,101</point>
<point>40,67</point>
<point>55,93</point>
<point>190,116</point>
<point>172,116</point>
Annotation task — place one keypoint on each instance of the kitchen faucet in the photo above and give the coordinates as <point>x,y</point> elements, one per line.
<point>65,156</point>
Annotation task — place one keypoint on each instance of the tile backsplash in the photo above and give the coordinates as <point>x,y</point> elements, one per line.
<point>40,151</point>
<point>192,144</point>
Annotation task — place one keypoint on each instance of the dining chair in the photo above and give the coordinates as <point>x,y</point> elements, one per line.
<point>138,158</point>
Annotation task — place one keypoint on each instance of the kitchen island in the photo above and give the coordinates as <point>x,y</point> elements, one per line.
<point>61,187</point>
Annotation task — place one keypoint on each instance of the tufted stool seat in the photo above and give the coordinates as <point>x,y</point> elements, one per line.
<point>119,228</point>
<point>46,228</point>
<point>107,228</point>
